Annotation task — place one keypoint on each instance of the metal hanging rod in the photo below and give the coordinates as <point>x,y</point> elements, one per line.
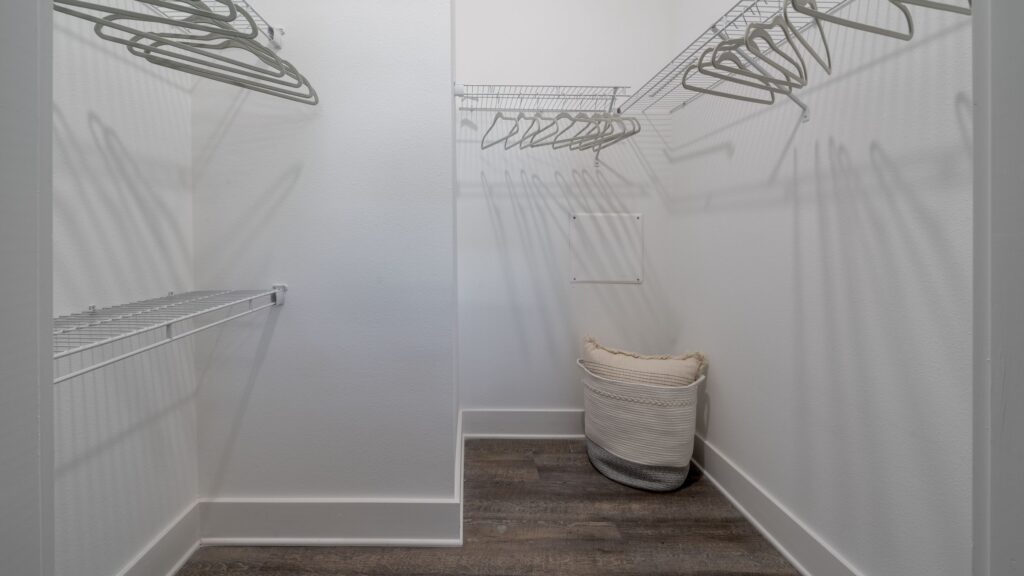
<point>93,329</point>
<point>664,93</point>
<point>536,98</point>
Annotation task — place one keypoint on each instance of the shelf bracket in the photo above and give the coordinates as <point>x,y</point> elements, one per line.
<point>279,293</point>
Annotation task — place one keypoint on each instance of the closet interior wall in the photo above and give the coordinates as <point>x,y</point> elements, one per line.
<point>345,396</point>
<point>126,436</point>
<point>520,318</point>
<point>349,391</point>
<point>822,266</point>
<point>829,282</point>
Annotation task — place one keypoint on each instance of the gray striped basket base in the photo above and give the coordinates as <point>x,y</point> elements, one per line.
<point>650,478</point>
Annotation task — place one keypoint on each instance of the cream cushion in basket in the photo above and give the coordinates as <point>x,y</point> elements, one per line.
<point>630,368</point>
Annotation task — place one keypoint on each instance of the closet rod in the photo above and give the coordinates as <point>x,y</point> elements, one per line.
<point>132,320</point>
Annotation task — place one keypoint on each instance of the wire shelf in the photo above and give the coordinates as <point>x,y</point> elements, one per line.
<point>664,93</point>
<point>222,10</point>
<point>533,98</point>
<point>93,329</point>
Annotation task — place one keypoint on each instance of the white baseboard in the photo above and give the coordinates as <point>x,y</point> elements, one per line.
<point>343,522</point>
<point>438,522</point>
<point>522,423</point>
<point>808,553</point>
<point>305,522</point>
<point>169,551</point>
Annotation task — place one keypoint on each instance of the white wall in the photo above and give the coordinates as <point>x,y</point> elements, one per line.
<point>126,462</point>
<point>999,501</point>
<point>570,42</point>
<point>521,321</point>
<point>347,391</point>
<point>26,456</point>
<point>829,282</point>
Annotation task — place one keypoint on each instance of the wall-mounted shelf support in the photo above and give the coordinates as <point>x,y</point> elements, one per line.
<point>149,324</point>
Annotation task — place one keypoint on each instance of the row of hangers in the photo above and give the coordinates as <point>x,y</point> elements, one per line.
<point>580,131</point>
<point>218,46</point>
<point>776,64</point>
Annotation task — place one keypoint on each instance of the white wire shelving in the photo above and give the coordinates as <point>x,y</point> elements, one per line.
<point>664,93</point>
<point>271,34</point>
<point>143,326</point>
<point>535,98</point>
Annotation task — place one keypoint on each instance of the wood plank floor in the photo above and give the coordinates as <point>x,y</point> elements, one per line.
<point>538,507</point>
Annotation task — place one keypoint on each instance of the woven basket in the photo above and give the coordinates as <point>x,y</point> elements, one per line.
<point>640,435</point>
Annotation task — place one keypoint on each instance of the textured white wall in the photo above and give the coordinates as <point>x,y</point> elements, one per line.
<point>126,463</point>
<point>26,454</point>
<point>829,270</point>
<point>521,321</point>
<point>348,391</point>
<point>570,42</point>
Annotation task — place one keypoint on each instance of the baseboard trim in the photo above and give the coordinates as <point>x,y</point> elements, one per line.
<point>329,522</point>
<point>169,551</point>
<point>416,522</point>
<point>522,424</point>
<point>805,549</point>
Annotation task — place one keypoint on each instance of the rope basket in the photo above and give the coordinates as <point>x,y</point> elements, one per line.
<point>640,435</point>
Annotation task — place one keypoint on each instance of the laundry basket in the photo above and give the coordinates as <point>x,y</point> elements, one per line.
<point>640,435</point>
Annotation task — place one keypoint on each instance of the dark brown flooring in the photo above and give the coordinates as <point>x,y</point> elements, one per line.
<point>538,507</point>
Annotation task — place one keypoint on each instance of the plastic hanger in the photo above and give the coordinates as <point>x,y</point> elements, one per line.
<point>197,8</point>
<point>629,127</point>
<point>795,73</point>
<point>616,130</point>
<point>199,21</point>
<point>728,62</point>
<point>589,136</point>
<point>553,130</point>
<point>606,127</point>
<point>198,55</point>
<point>808,8</point>
<point>510,143</point>
<point>171,48</point>
<point>276,71</point>
<point>280,79</point>
<point>826,61</point>
<point>197,45</point>
<point>965,10</point>
<point>695,69</point>
<point>530,131</point>
<point>497,117</point>
<point>558,143</point>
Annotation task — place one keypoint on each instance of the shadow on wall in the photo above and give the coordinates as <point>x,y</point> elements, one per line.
<point>728,128</point>
<point>125,462</point>
<point>252,221</point>
<point>839,291</point>
<point>516,292</point>
<point>111,217</point>
<point>250,339</point>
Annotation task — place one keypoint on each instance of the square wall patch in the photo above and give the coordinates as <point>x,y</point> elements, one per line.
<point>607,248</point>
